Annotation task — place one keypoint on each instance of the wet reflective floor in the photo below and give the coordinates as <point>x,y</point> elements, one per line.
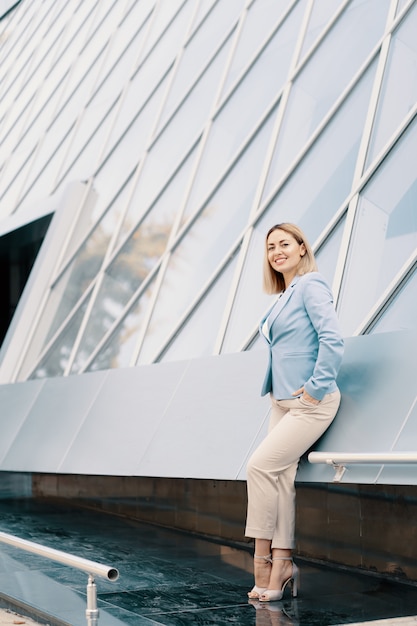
<point>174,579</point>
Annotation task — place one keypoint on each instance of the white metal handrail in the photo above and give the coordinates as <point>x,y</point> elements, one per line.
<point>339,460</point>
<point>91,567</point>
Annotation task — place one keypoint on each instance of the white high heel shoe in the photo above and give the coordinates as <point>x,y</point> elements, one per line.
<point>256,592</point>
<point>273,595</point>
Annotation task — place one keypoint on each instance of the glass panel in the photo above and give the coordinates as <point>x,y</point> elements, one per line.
<point>10,50</point>
<point>53,23</point>
<point>318,187</point>
<point>385,232</point>
<point>133,263</point>
<point>87,217</point>
<point>15,124</point>
<point>165,12</point>
<point>56,360</point>
<point>168,204</point>
<point>199,50</point>
<point>81,166</point>
<point>250,301</point>
<point>59,131</point>
<point>134,22</point>
<point>401,313</point>
<point>327,256</point>
<point>108,92</point>
<point>235,122</point>
<point>323,180</point>
<point>40,185</point>
<point>322,12</point>
<point>399,88</point>
<point>92,46</point>
<point>203,7</point>
<point>40,115</point>
<point>127,153</point>
<point>149,75</point>
<point>206,243</point>
<point>118,350</point>
<point>83,269</point>
<point>13,177</point>
<point>261,17</point>
<point>22,64</point>
<point>177,138</point>
<point>325,77</point>
<point>76,30</point>
<point>197,338</point>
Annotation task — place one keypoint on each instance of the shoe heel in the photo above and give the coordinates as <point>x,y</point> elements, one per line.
<point>294,581</point>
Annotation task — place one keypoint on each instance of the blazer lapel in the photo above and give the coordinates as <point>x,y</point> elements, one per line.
<point>282,301</point>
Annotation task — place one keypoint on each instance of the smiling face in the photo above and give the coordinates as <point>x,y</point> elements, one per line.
<point>284,253</point>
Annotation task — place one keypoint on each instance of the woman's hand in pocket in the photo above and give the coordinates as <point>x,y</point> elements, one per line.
<point>306,396</point>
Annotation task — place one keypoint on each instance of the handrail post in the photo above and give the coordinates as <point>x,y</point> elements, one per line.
<point>92,611</point>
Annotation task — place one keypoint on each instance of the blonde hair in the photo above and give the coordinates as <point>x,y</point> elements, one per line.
<point>273,281</point>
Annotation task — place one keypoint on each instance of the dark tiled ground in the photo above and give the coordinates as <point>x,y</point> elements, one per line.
<point>173,579</point>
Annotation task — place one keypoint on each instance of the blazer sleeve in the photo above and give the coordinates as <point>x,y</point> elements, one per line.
<point>318,302</point>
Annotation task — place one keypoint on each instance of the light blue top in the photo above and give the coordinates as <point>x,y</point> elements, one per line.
<point>305,343</point>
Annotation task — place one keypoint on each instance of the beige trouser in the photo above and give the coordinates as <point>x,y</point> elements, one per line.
<point>294,426</point>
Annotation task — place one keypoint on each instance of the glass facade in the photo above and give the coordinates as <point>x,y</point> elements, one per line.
<point>194,126</point>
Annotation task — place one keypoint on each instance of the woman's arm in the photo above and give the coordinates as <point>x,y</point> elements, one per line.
<point>318,302</point>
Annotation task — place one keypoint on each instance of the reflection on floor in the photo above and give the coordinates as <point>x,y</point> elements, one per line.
<point>173,579</point>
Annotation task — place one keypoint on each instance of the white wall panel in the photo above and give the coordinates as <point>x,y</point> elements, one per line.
<point>201,418</point>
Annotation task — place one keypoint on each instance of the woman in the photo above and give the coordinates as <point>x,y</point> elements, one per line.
<point>305,352</point>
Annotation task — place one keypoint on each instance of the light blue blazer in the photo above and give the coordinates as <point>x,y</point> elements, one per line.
<point>305,344</point>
